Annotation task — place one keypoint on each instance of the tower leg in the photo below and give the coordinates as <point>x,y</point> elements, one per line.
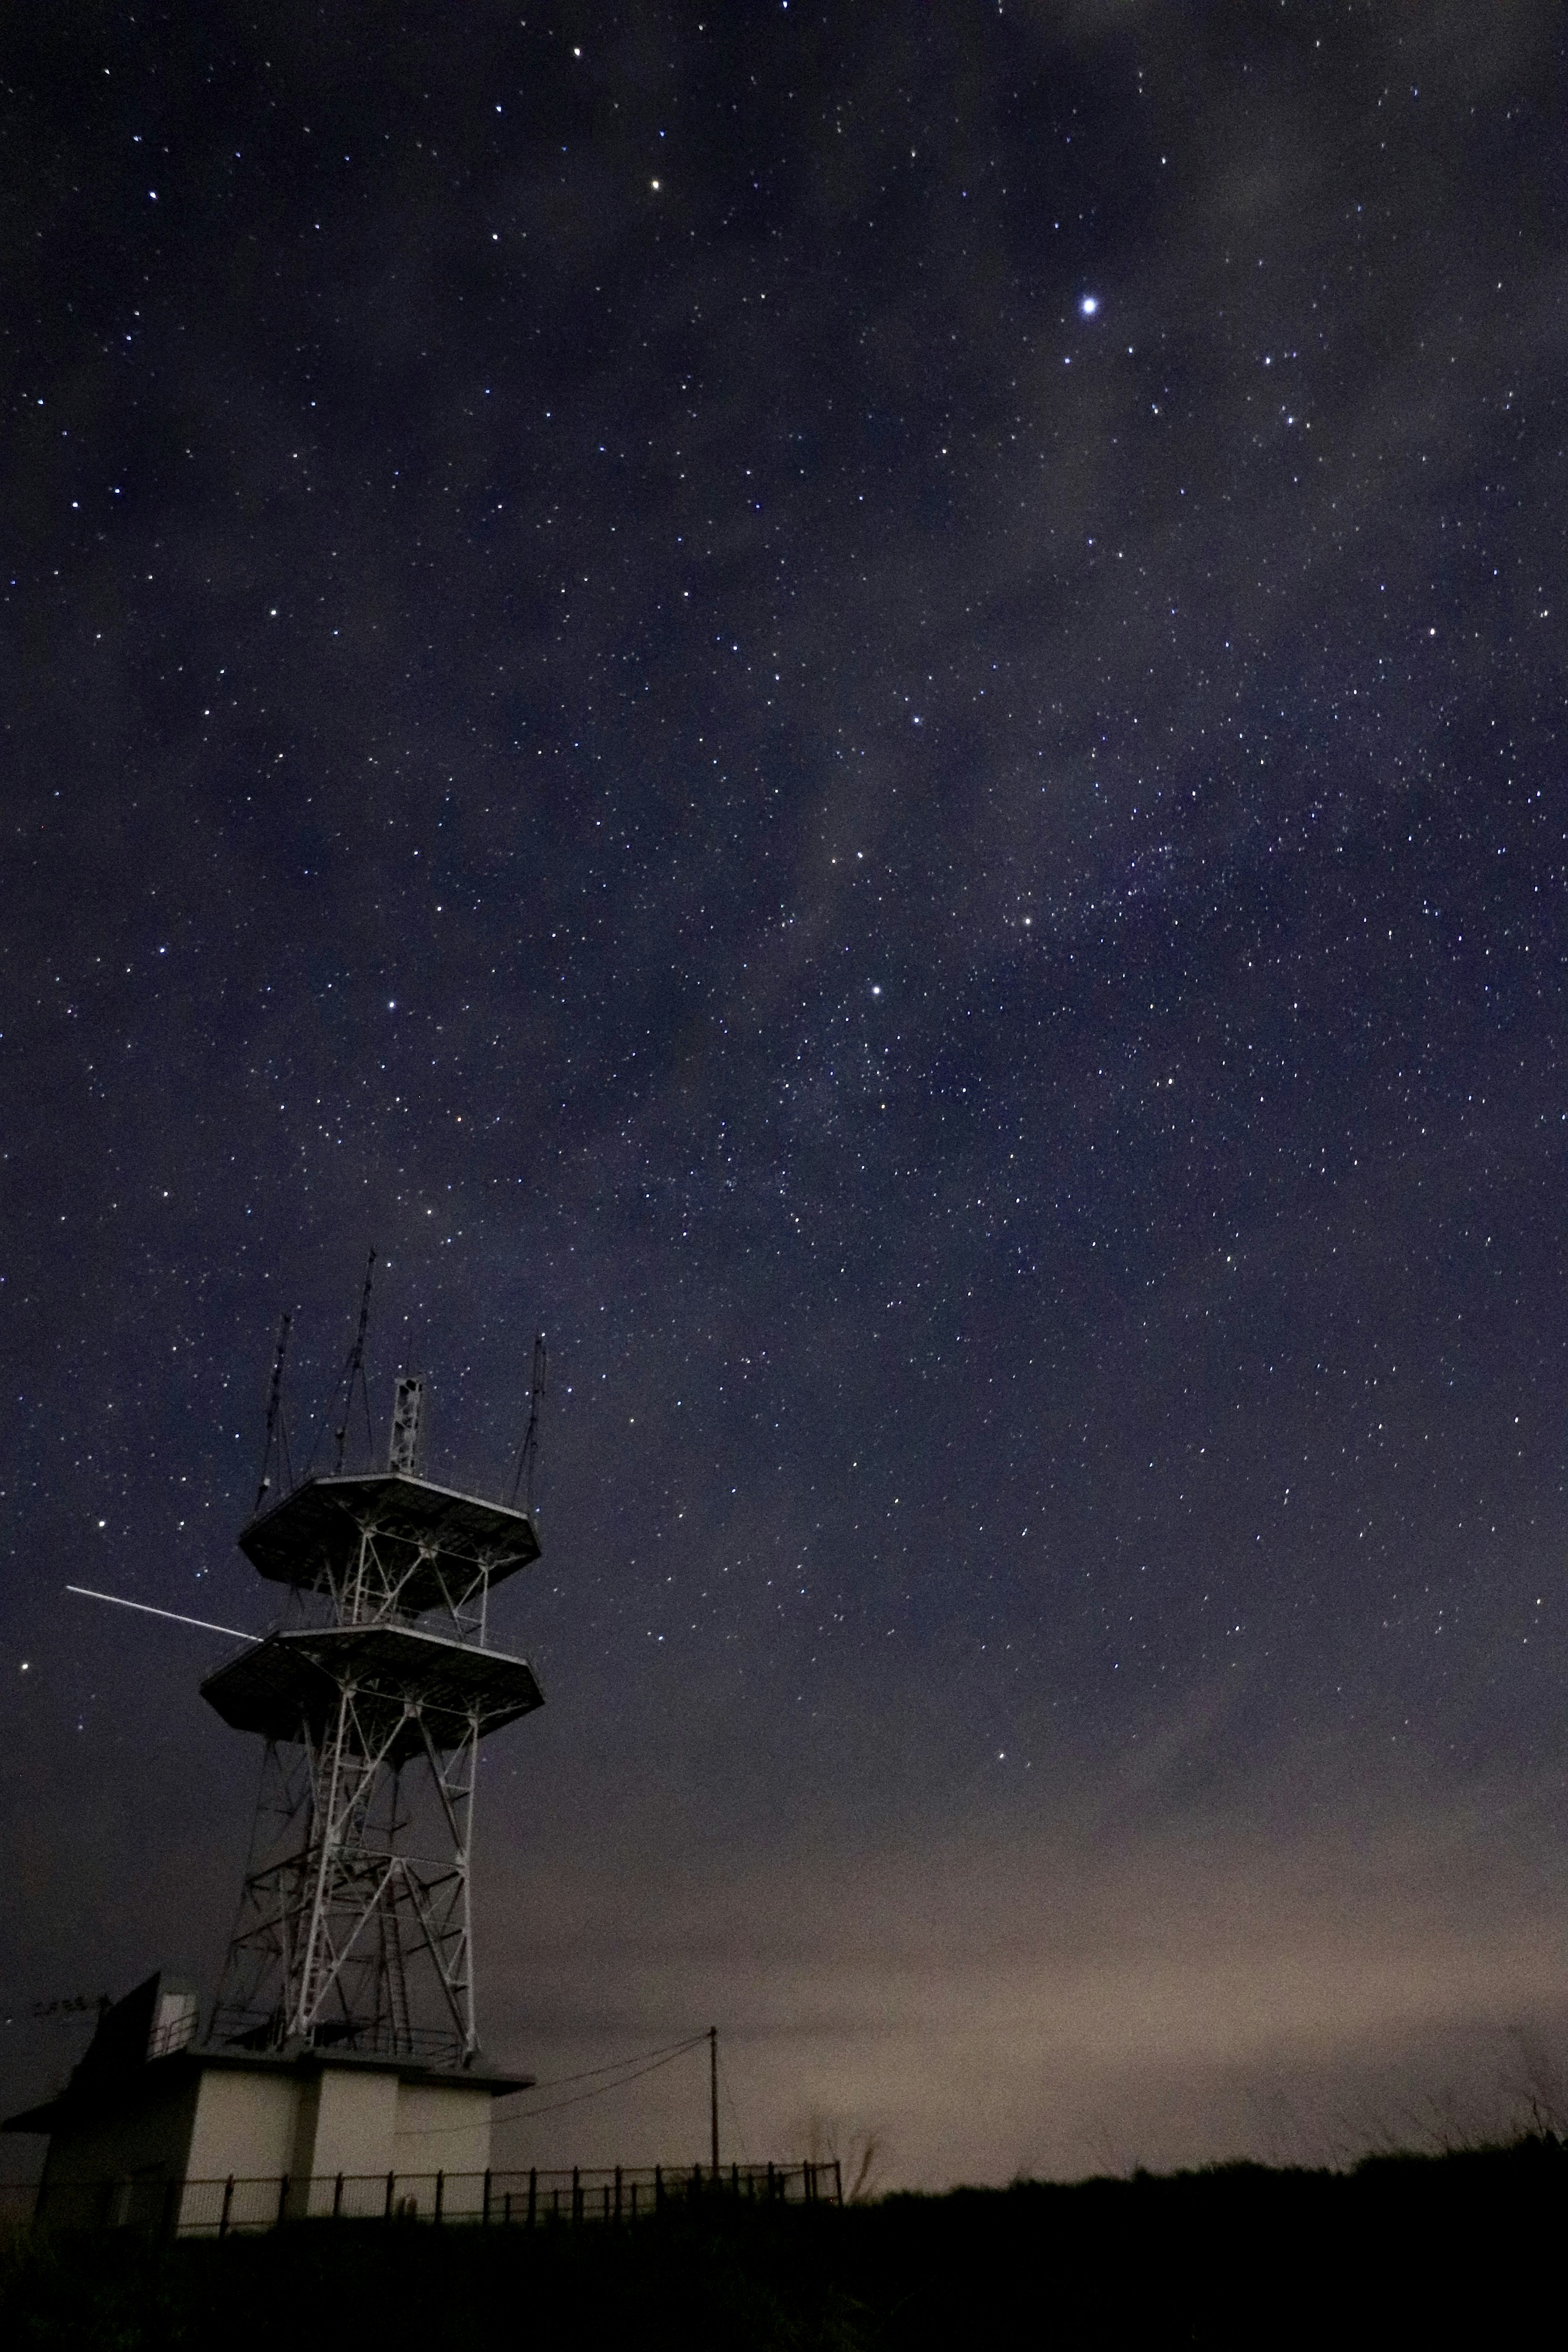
<point>356,1922</point>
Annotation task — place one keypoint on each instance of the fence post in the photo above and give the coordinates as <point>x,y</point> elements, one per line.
<point>337,2196</point>
<point>837,2180</point>
<point>772,2192</point>
<point>659,2187</point>
<point>227,2202</point>
<point>618,2192</point>
<point>485,2211</point>
<point>282,2201</point>
<point>391,2186</point>
<point>440,2193</point>
<point>576,2194</point>
<point>532,2195</point>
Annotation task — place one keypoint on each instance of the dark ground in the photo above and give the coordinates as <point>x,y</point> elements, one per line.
<point>1404,2250</point>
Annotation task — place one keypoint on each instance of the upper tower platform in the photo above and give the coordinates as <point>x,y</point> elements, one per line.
<point>403,1545</point>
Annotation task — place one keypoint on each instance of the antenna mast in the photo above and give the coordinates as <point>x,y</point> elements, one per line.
<point>357,1372</point>
<point>277,1434</point>
<point>528,1460</point>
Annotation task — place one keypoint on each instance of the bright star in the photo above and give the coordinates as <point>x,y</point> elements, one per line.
<point>1090,305</point>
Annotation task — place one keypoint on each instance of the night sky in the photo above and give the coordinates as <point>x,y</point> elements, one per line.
<point>864,708</point>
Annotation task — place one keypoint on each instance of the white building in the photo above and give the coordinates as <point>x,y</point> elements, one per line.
<point>155,2127</point>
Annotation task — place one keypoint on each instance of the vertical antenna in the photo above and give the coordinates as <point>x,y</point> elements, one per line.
<point>407,1453</point>
<point>277,1434</point>
<point>713,2099</point>
<point>527,1461</point>
<point>356,1368</point>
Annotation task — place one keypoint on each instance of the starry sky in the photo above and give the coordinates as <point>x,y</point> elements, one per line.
<point>862,706</point>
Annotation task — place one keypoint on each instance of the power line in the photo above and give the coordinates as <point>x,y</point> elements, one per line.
<point>665,2049</point>
<point>665,2056</point>
<point>553,2106</point>
<point>678,2050</point>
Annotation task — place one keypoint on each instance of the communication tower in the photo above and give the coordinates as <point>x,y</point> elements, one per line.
<point>372,1695</point>
<point>344,2041</point>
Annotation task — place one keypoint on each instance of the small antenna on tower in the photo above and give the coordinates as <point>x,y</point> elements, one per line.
<point>527,1461</point>
<point>406,1453</point>
<point>357,1372</point>
<point>339,1407</point>
<point>277,1433</point>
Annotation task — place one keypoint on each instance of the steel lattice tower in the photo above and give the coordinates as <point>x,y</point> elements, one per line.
<point>372,1695</point>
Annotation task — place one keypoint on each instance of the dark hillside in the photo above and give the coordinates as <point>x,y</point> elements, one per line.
<point>1417,2250</point>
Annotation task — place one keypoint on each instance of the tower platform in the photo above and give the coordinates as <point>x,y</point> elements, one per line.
<point>430,1546</point>
<point>405,1685</point>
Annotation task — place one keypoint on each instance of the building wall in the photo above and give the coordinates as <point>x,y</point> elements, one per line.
<point>260,2125</point>
<point>447,2130</point>
<point>131,2151</point>
<point>244,2125</point>
<point>347,2124</point>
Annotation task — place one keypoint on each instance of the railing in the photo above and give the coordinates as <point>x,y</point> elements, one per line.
<point>531,2200</point>
<point>177,2031</point>
<point>239,2029</point>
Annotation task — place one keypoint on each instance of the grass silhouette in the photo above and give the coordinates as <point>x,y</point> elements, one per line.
<point>1430,2250</point>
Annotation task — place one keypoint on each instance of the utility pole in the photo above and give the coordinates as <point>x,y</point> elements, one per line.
<point>713,2098</point>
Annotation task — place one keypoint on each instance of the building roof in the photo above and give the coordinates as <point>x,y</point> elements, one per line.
<point>105,2091</point>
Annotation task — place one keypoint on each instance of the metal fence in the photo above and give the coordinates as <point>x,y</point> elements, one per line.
<point>531,2201</point>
